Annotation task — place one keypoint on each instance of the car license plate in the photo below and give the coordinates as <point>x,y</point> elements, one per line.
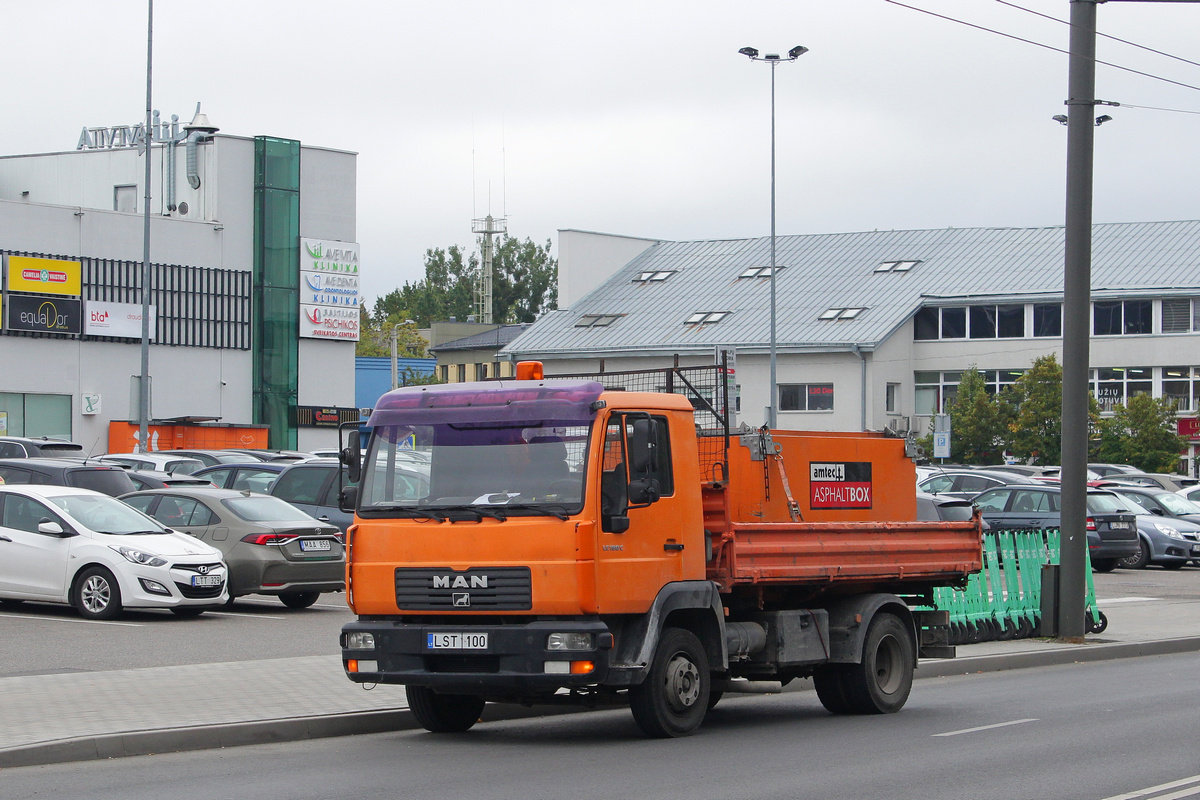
<point>1196,549</point>
<point>312,545</point>
<point>1119,526</point>
<point>206,580</point>
<point>456,641</point>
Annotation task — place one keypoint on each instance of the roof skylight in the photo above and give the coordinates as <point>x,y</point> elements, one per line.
<point>896,266</point>
<point>706,317</point>
<point>759,272</point>
<point>841,313</point>
<point>597,320</point>
<point>653,276</point>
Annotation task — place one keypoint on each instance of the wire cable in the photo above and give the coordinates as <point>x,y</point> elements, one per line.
<point>1039,44</point>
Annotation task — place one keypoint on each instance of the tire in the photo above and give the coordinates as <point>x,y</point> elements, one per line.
<point>831,690</point>
<point>443,713</point>
<point>881,683</point>
<point>1104,564</point>
<point>716,690</point>
<point>673,698</point>
<point>1139,560</point>
<point>188,611</point>
<point>1100,625</point>
<point>299,599</point>
<point>97,595</point>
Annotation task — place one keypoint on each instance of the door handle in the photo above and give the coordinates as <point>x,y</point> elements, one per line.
<point>4,539</point>
<point>672,546</point>
<point>323,519</point>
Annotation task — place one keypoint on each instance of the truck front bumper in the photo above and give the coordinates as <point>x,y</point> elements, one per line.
<point>507,659</point>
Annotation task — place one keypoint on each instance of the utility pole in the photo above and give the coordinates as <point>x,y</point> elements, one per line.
<point>489,226</point>
<point>148,142</point>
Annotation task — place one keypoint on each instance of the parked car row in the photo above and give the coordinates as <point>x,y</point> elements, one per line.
<point>106,534</point>
<point>1129,524</point>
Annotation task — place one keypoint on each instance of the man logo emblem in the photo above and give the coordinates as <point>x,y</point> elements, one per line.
<point>461,599</point>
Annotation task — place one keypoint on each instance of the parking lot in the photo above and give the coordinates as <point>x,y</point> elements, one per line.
<point>47,639</point>
<point>44,639</point>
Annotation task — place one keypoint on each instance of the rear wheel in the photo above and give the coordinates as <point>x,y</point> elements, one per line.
<point>443,713</point>
<point>880,684</point>
<point>1139,559</point>
<point>299,599</point>
<point>97,595</point>
<point>674,697</point>
<point>1104,564</point>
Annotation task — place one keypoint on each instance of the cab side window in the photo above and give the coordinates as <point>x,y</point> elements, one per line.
<point>24,514</point>
<point>301,486</point>
<point>993,501</point>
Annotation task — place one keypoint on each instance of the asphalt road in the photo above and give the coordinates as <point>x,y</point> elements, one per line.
<point>45,639</point>
<point>1097,731</point>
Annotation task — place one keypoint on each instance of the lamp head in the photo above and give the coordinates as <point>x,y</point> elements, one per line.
<point>1060,118</point>
<point>797,51</point>
<point>749,52</point>
<point>1103,118</point>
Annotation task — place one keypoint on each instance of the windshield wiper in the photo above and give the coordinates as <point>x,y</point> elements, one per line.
<point>548,511</point>
<point>411,511</point>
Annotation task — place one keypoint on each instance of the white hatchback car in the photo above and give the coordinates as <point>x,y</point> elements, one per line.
<point>67,545</point>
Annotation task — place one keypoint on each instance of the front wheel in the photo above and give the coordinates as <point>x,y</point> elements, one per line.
<point>443,713</point>
<point>97,595</point>
<point>831,692</point>
<point>299,599</point>
<point>880,684</point>
<point>674,697</point>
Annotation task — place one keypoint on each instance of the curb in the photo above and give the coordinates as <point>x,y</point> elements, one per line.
<point>290,729</point>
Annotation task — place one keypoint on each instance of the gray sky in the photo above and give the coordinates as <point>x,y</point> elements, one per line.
<point>636,118</point>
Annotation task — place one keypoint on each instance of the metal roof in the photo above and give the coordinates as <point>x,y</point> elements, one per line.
<point>819,272</point>
<point>480,341</point>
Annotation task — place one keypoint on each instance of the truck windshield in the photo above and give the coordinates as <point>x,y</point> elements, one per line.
<point>526,467</point>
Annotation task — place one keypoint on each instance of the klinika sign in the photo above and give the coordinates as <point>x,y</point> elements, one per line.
<point>130,135</point>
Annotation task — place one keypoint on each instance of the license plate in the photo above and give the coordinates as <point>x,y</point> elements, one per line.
<point>1196,549</point>
<point>206,580</point>
<point>1119,526</point>
<point>456,641</point>
<point>312,545</point>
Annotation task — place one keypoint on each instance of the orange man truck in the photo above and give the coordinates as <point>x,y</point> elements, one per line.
<point>563,541</point>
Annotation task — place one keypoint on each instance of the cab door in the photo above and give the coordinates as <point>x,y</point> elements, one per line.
<point>32,564</point>
<point>634,562</point>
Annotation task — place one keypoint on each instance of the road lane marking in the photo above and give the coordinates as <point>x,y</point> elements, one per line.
<point>67,619</point>
<point>240,615</point>
<point>986,727</point>
<point>1113,600</point>
<point>1161,788</point>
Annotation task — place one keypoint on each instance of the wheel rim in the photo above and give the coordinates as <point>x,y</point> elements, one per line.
<point>888,675</point>
<point>95,594</point>
<point>683,683</point>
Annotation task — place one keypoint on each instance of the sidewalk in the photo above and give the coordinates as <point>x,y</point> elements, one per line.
<point>80,716</point>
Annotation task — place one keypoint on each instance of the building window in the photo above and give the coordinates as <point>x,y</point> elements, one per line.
<point>444,373</point>
<point>759,272</point>
<point>1117,317</point>
<point>1180,315</point>
<point>1047,319</point>
<point>653,276</point>
<point>1115,385</point>
<point>841,313</point>
<point>706,317</point>
<point>891,401</point>
<point>933,391</point>
<point>925,324</point>
<point>461,373</point>
<point>35,415</point>
<point>896,266</point>
<point>481,371</point>
<point>1182,384</point>
<point>125,198</point>
<point>597,320</point>
<point>496,369</point>
<point>954,323</point>
<point>806,397</point>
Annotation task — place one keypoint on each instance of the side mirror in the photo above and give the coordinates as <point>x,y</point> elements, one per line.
<point>644,491</point>
<point>51,528</point>
<point>351,457</point>
<point>642,441</point>
<point>1158,512</point>
<point>348,499</point>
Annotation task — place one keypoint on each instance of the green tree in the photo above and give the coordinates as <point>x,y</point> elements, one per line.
<point>524,284</point>
<point>976,430</point>
<point>1144,433</point>
<point>1034,412</point>
<point>375,338</point>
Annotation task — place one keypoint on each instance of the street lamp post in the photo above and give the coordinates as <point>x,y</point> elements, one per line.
<point>773,59</point>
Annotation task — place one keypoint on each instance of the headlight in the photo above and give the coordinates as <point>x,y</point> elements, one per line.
<point>139,556</point>
<point>570,641</point>
<point>360,640</point>
<point>1168,530</point>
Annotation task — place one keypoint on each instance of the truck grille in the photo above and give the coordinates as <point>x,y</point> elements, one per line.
<point>474,589</point>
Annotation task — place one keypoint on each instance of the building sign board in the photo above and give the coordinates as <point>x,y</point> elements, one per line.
<point>122,320</point>
<point>329,289</point>
<point>44,275</point>
<point>840,484</point>
<point>44,314</point>
<point>324,416</point>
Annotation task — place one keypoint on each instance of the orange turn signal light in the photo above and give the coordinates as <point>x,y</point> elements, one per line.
<point>530,371</point>
<point>582,667</point>
<point>352,665</point>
